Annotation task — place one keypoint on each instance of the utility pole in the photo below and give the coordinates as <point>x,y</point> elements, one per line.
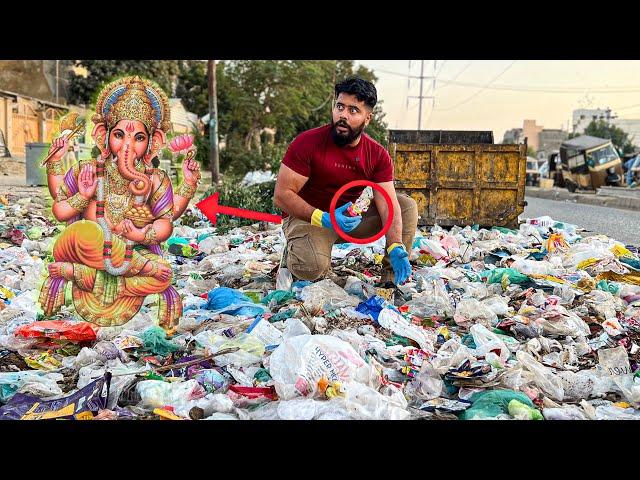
<point>421,96</point>
<point>213,123</point>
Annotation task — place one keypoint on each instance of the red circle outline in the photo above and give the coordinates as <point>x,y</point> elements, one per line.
<point>334,201</point>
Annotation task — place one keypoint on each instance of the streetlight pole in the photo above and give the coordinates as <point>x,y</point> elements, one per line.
<point>213,123</point>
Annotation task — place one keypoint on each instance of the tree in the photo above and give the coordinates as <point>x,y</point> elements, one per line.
<point>290,96</point>
<point>191,86</point>
<point>84,90</point>
<point>531,152</point>
<point>618,136</point>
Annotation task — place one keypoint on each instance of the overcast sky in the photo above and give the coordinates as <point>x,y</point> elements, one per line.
<point>502,93</point>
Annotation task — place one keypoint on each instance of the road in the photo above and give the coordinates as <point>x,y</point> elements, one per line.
<point>619,224</point>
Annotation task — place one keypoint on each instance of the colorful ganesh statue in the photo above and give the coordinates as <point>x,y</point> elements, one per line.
<point>118,209</point>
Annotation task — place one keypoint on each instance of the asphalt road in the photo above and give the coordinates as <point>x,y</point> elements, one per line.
<point>623,225</point>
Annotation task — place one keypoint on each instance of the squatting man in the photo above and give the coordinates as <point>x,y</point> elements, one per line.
<point>317,164</point>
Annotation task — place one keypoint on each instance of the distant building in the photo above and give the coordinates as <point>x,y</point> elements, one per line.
<point>531,132</point>
<point>182,121</point>
<point>631,126</point>
<point>540,139</point>
<point>42,79</point>
<point>584,116</point>
<point>513,136</point>
<point>549,140</point>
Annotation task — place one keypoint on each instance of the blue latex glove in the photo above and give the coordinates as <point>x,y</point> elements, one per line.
<point>399,259</point>
<point>344,221</point>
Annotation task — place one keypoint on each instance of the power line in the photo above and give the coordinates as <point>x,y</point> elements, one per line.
<point>458,74</point>
<point>523,88</point>
<point>481,90</point>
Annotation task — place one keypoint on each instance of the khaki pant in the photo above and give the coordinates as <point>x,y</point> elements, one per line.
<point>309,247</point>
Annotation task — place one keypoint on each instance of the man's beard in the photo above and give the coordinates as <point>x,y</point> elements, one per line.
<point>345,139</point>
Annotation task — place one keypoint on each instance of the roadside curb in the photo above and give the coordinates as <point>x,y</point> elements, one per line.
<point>625,203</point>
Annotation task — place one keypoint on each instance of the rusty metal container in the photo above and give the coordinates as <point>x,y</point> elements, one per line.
<point>460,177</point>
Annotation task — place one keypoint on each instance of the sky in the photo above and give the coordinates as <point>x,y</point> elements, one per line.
<point>503,93</point>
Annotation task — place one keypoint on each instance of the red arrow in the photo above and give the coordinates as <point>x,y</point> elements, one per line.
<point>210,208</point>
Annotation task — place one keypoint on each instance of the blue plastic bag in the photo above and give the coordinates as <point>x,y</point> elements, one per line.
<point>373,306</point>
<point>232,302</point>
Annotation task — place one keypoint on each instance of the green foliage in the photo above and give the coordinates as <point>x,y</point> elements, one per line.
<point>192,86</point>
<point>85,90</point>
<point>289,96</point>
<point>618,136</point>
<point>531,152</point>
<point>256,197</point>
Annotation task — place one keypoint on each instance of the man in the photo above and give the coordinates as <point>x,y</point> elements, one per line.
<point>319,162</point>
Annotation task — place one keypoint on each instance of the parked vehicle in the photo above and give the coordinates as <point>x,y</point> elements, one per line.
<point>589,163</point>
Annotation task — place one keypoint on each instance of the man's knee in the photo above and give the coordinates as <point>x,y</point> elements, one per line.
<point>304,262</point>
<point>408,208</point>
<point>308,272</point>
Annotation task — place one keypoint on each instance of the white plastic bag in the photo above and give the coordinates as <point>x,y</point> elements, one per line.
<point>326,295</point>
<point>542,376</point>
<point>486,341</point>
<point>300,362</point>
<point>470,310</point>
<point>392,320</point>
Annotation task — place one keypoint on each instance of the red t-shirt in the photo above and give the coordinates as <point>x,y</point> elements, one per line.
<point>313,154</point>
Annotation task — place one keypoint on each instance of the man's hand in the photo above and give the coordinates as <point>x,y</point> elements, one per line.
<point>345,222</point>
<point>399,259</point>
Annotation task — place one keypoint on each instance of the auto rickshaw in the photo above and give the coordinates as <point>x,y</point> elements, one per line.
<point>589,163</point>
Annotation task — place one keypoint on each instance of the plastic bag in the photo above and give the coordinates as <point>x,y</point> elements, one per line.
<point>327,296</point>
<point>615,364</point>
<point>232,302</point>
<point>300,362</point>
<point>496,275</point>
<point>58,329</point>
<point>528,267</point>
<point>487,341</point>
<point>284,279</point>
<point>521,411</point>
<point>433,300</point>
<point>542,376</point>
<point>427,384</point>
<point>34,382</point>
<point>470,310</point>
<point>392,320</point>
<point>82,404</point>
<point>251,349</point>
<point>364,403</point>
<point>491,403</point>
<point>265,332</point>
<point>156,393</point>
<point>569,412</point>
<point>155,341</point>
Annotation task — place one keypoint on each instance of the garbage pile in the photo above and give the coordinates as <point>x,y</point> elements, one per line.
<point>535,323</point>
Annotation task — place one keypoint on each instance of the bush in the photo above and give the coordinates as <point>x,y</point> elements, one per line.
<point>236,161</point>
<point>256,197</point>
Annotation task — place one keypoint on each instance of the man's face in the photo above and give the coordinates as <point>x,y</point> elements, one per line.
<point>349,117</point>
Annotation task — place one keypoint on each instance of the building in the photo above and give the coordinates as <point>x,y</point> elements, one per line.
<point>630,126</point>
<point>513,136</point>
<point>182,121</point>
<point>541,140</point>
<point>549,140</point>
<point>584,116</point>
<point>531,132</point>
<point>43,79</point>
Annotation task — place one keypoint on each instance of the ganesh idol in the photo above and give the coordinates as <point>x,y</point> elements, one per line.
<point>118,209</point>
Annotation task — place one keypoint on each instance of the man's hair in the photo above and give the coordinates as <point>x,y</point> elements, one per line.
<point>364,90</point>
